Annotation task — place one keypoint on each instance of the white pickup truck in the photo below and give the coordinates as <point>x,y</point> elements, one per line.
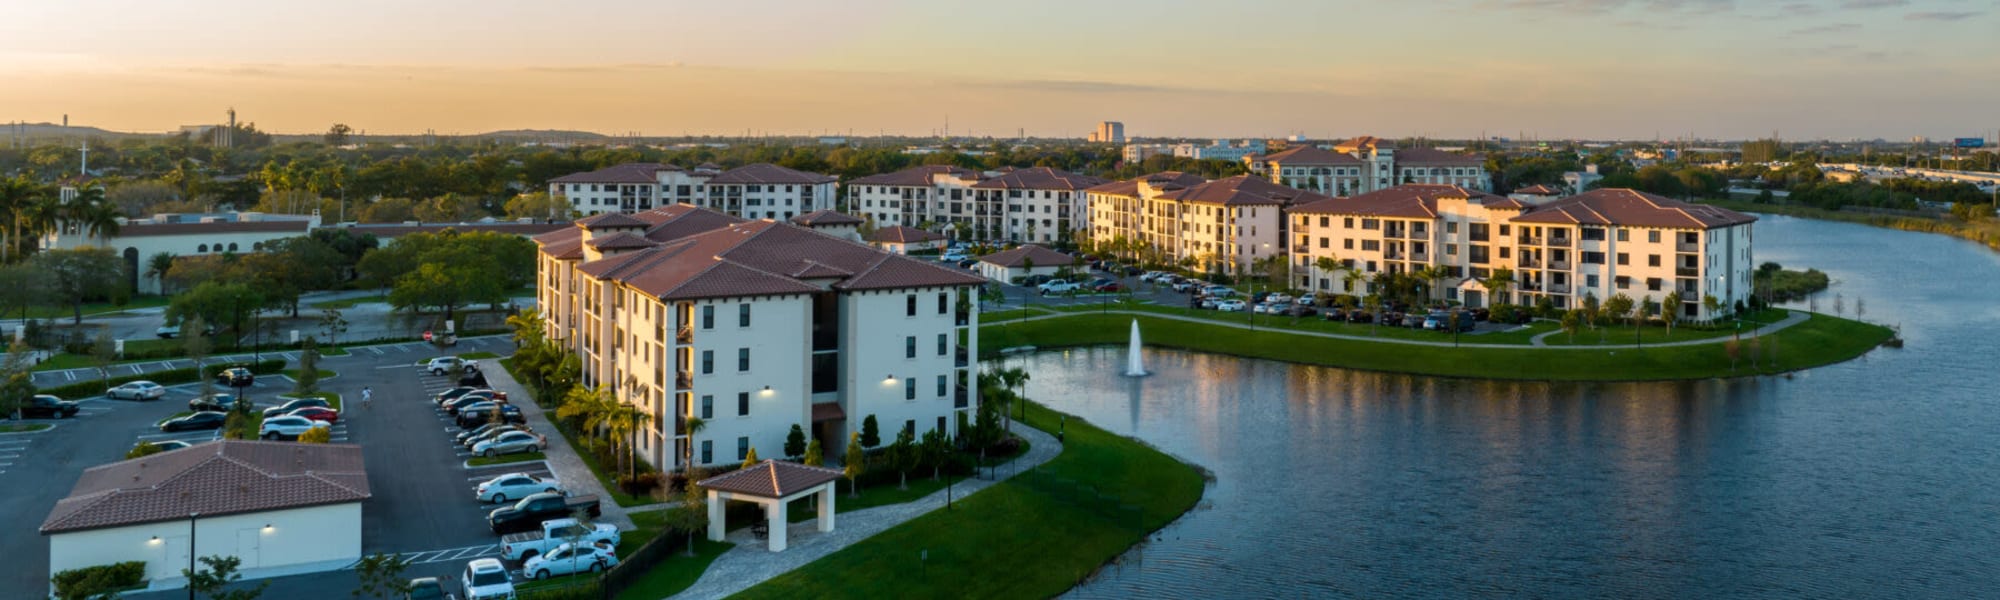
<point>555,532</point>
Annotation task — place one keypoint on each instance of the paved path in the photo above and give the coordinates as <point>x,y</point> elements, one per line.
<point>750,563</point>
<point>561,458</point>
<point>1794,318</point>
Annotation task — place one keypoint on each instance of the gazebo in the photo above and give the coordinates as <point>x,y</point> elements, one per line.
<point>771,484</point>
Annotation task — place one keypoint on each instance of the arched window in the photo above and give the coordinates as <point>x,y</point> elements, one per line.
<point>201,248</point>
<point>258,246</point>
<point>232,246</point>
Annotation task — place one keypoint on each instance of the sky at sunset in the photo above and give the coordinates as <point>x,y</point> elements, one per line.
<point>1447,68</point>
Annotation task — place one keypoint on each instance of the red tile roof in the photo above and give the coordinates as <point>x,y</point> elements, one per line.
<point>1040,178</point>
<point>1242,190</point>
<point>1016,257</point>
<point>822,218</point>
<point>771,479</point>
<point>1311,155</point>
<point>766,173</point>
<point>1362,143</point>
<point>610,220</point>
<point>1632,208</point>
<point>625,173</point>
<point>158,229</point>
<point>1130,187</point>
<point>392,231</point>
<point>219,478</point>
<point>670,222</point>
<point>918,176</point>
<point>623,240</point>
<point>1539,190</point>
<point>902,235</point>
<point>760,258</point>
<point>1416,200</point>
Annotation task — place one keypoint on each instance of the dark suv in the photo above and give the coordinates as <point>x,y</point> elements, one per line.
<point>48,407</point>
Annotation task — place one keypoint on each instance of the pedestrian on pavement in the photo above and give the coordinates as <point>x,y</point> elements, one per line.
<point>367,397</point>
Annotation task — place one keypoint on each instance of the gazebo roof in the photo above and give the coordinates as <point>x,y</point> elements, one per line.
<point>771,479</point>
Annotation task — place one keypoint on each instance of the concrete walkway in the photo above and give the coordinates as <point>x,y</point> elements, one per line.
<point>563,460</point>
<point>1794,318</point>
<point>750,563</point>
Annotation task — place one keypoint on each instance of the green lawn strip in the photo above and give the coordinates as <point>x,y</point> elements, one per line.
<point>1621,335</point>
<point>920,485</point>
<point>62,362</point>
<point>323,373</point>
<point>677,573</point>
<point>1818,341</point>
<point>478,355</point>
<point>23,427</point>
<point>91,308</point>
<point>1031,536</point>
<point>481,461</point>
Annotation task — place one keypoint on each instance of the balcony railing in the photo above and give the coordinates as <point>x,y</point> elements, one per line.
<point>683,381</point>
<point>1560,265</point>
<point>1528,263</point>
<point>1392,255</point>
<point>685,336</point>
<point>1687,247</point>
<point>1527,240</point>
<point>963,357</point>
<point>961,397</point>
<point>1420,257</point>
<point>1558,288</point>
<point>1687,272</point>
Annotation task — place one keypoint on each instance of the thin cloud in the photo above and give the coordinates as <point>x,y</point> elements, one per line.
<point>1832,28</point>
<point>1082,87</point>
<point>1605,6</point>
<point>1866,4</point>
<point>1942,15</point>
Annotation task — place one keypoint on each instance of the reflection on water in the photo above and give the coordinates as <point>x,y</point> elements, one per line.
<point>1875,478</point>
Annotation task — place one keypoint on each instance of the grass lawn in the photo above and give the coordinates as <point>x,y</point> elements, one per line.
<point>677,573</point>
<point>91,308</point>
<point>26,427</point>
<point>1032,536</point>
<point>481,461</point>
<point>1818,341</point>
<point>61,362</point>
<point>323,374</point>
<point>478,355</point>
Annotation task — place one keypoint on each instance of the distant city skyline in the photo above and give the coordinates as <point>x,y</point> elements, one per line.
<point>1553,69</point>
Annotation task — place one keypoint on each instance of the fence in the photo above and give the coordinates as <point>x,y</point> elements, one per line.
<point>634,567</point>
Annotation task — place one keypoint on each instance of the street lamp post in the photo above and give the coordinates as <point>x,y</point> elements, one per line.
<point>191,553</point>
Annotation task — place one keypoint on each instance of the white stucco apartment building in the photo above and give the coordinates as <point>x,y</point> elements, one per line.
<point>1599,243</point>
<point>282,508</point>
<point>1225,225</point>
<point>1369,168</point>
<point>1034,205</point>
<point>758,191</point>
<point>756,326</point>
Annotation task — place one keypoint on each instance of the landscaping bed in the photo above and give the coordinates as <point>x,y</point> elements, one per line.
<point>481,461</point>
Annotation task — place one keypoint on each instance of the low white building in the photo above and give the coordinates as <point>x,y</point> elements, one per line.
<point>758,191</point>
<point>1039,204</point>
<point>840,225</point>
<point>282,508</point>
<point>904,240</point>
<point>1007,265</point>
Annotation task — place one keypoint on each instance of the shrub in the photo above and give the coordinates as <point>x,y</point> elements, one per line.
<point>92,582</point>
<point>143,449</point>
<point>641,484</point>
<point>316,435</point>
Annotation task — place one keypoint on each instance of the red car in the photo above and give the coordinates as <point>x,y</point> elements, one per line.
<point>1110,287</point>
<point>317,413</point>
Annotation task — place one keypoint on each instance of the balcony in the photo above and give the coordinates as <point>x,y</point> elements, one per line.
<point>1528,286</point>
<point>963,358</point>
<point>1421,257</point>
<point>1559,265</point>
<point>1687,247</point>
<point>683,381</point>
<point>1528,263</point>
<point>685,336</point>
<point>1392,255</point>
<point>1527,240</point>
<point>1558,288</point>
<point>961,397</point>
<point>1687,272</point>
<point>1559,242</point>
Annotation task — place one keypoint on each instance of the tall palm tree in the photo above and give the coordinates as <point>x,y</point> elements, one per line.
<point>691,427</point>
<point>157,267</point>
<point>93,215</point>
<point>1436,274</point>
<point>1497,285</point>
<point>529,326</point>
<point>1016,379</point>
<point>17,194</point>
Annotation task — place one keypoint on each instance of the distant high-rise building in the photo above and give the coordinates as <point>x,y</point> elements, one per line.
<point>1109,132</point>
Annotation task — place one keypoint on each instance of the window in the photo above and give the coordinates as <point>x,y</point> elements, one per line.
<point>743,447</point>
<point>742,359</point>
<point>1593,258</point>
<point>1625,235</point>
<point>1593,233</point>
<point>941,344</point>
<point>1371,245</point>
<point>708,316</point>
<point>1652,260</point>
<point>1653,236</point>
<point>707,451</point>
<point>910,346</point>
<point>1451,249</point>
<point>1590,281</point>
<point>1504,229</point>
<point>942,383</point>
<point>910,427</point>
<point>743,315</point>
<point>743,404</point>
<point>910,389</point>
<point>940,426</point>
<point>1347,222</point>
<point>707,362</point>
<point>1347,244</point>
<point>1451,226</point>
<point>1622,282</point>
<point>1624,259</point>
<point>943,302</point>
<point>910,305</point>
<point>1653,283</point>
<point>707,406</point>
<point>1370,224</point>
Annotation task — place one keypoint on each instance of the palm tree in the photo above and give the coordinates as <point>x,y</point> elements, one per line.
<point>1436,274</point>
<point>93,216</point>
<point>529,326</point>
<point>157,267</point>
<point>16,195</point>
<point>692,426</point>
<point>1496,286</point>
<point>1015,378</point>
<point>1323,265</point>
<point>592,407</point>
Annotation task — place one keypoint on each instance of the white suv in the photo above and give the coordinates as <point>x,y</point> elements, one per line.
<point>486,579</point>
<point>447,364</point>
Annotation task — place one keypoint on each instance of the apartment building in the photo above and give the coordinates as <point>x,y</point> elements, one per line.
<point>1598,243</point>
<point>756,326</point>
<point>1040,204</point>
<point>1369,167</point>
<point>1223,225</point>
<point>1109,132</point>
<point>759,191</point>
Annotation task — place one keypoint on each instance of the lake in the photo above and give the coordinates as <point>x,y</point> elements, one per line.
<point>1875,478</point>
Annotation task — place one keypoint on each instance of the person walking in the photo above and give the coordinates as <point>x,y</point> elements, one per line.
<point>367,397</point>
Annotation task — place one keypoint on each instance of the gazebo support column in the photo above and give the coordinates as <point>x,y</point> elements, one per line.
<point>826,508</point>
<point>716,518</point>
<point>775,511</point>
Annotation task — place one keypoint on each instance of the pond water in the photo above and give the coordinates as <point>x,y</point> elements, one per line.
<point>1876,478</point>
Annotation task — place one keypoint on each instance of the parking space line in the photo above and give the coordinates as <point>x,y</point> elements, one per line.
<point>377,350</point>
<point>69,376</point>
<point>402,348</point>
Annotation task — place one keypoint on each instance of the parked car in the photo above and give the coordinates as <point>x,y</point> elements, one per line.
<point>1334,314</point>
<point>317,413</point>
<point>1435,321</point>
<point>512,442</point>
<point>1185,285</point>
<point>1302,310</point>
<point>1108,287</point>
<point>555,532</point>
<point>967,263</point>
<point>218,403</point>
<point>454,393</point>
<point>449,364</point>
<point>570,559</point>
<point>486,579</point>
<point>1413,320</point>
<point>287,427</point>
<point>1220,291</point>
<point>1034,281</point>
<point>515,486</point>
<point>288,407</point>
<point>1057,286</point>
<point>454,405</point>
<point>427,588</point>
<point>1130,270</point>
<point>48,407</point>
<point>235,377</point>
<point>1280,298</point>
<point>169,332</point>
<point>474,418</point>
<point>1360,316</point>
<point>137,390</point>
<point>469,435</point>
<point>1229,306</point>
<point>529,512</point>
<point>206,419</point>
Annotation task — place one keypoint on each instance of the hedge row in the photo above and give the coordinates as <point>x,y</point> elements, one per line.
<point>99,581</point>
<point>87,389</point>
